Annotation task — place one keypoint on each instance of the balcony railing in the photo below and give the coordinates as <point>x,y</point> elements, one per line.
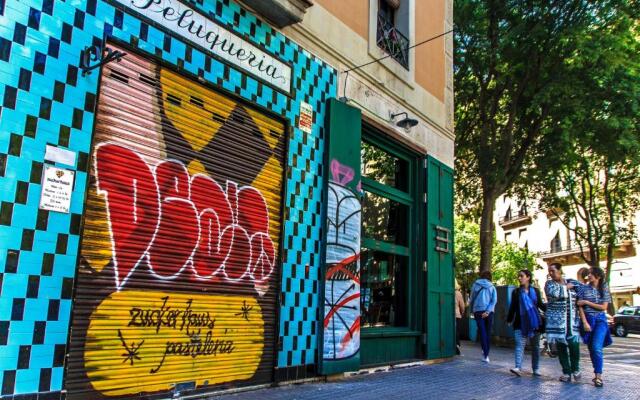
<point>513,218</point>
<point>392,41</point>
<point>570,248</point>
<point>625,248</point>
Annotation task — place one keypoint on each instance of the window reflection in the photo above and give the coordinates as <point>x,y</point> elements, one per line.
<point>383,293</point>
<point>384,219</point>
<point>384,168</point>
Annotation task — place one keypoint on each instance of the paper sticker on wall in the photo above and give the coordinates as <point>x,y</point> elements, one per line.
<point>57,186</point>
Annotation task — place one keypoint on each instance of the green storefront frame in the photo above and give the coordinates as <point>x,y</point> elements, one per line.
<point>430,329</point>
<point>397,344</point>
<point>426,329</point>
<point>440,323</point>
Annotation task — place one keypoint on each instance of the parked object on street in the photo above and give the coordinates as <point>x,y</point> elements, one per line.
<point>562,325</point>
<point>593,300</point>
<point>626,320</point>
<point>483,302</point>
<point>525,315</point>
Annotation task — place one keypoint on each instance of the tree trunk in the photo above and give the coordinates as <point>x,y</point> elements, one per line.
<point>487,230</point>
<point>610,254</point>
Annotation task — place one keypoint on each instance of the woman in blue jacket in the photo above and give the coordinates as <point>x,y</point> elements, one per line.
<point>483,303</point>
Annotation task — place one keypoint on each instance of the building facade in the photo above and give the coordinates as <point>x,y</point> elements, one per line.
<point>196,196</point>
<point>545,235</point>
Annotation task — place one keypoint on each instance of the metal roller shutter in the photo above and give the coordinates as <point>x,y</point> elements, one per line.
<point>177,281</point>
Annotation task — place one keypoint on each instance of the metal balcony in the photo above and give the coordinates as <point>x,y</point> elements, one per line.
<point>392,41</point>
<point>519,218</point>
<point>571,253</point>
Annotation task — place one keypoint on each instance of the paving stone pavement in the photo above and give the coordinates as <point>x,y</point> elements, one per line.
<point>465,378</point>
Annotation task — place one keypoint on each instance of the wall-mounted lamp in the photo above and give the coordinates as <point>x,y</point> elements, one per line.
<point>406,122</point>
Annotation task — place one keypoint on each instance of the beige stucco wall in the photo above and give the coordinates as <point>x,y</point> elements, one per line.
<point>342,32</point>
<point>430,18</point>
<point>353,13</point>
<point>430,57</point>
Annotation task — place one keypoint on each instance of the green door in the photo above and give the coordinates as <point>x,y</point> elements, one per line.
<point>390,298</point>
<point>440,322</point>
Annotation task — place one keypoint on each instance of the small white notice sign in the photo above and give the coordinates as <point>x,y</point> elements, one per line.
<point>57,186</point>
<point>305,123</point>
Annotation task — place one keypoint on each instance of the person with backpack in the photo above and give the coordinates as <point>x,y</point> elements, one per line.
<point>482,302</point>
<point>524,315</point>
<point>593,300</point>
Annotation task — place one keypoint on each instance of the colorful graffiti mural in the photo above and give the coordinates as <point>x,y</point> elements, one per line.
<point>342,280</point>
<point>178,222</point>
<point>180,247</point>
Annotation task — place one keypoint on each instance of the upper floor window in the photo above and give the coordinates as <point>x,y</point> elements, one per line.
<point>507,215</point>
<point>556,244</point>
<point>523,209</point>
<point>393,29</point>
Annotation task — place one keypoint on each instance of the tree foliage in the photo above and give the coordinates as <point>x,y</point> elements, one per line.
<point>593,184</point>
<point>514,68</point>
<point>508,258</point>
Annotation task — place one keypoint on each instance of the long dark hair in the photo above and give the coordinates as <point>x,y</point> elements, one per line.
<point>598,273</point>
<point>528,274</point>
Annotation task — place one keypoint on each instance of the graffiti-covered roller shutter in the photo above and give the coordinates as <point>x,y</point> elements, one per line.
<point>177,278</point>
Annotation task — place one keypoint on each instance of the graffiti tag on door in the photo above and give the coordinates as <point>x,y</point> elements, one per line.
<point>181,236</point>
<point>342,281</point>
<point>172,334</point>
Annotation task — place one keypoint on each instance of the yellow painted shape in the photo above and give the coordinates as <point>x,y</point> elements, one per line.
<point>96,240</point>
<point>116,370</point>
<point>269,183</point>
<point>194,116</point>
<point>196,167</point>
<point>271,129</point>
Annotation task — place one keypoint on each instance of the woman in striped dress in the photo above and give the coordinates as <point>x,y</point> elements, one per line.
<point>563,321</point>
<point>593,300</point>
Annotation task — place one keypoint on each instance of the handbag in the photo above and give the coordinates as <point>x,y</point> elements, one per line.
<point>543,321</point>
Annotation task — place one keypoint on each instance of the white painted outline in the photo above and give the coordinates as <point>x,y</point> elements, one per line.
<point>262,257</point>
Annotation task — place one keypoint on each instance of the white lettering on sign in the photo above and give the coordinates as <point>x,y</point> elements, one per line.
<point>195,27</point>
<point>305,123</point>
<point>57,185</point>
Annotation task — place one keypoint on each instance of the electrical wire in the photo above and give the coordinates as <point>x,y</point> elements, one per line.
<point>407,48</point>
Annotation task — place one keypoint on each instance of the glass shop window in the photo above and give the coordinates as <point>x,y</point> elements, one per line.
<point>383,167</point>
<point>383,289</point>
<point>384,219</point>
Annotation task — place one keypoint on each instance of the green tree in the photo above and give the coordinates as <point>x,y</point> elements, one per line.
<point>593,186</point>
<point>508,258</point>
<point>513,70</point>
<point>467,252</point>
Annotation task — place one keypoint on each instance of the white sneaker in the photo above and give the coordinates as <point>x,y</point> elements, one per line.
<point>577,376</point>
<point>486,359</point>
<point>516,371</point>
<point>536,373</point>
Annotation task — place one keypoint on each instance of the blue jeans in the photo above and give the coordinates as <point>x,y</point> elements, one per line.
<point>596,343</point>
<point>521,342</point>
<point>484,330</point>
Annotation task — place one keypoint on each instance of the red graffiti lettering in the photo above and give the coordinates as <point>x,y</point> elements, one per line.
<point>132,203</point>
<point>178,221</point>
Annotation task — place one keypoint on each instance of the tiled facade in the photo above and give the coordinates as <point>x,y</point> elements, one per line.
<point>47,100</point>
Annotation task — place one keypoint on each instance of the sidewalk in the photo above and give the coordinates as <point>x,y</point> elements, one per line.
<point>464,378</point>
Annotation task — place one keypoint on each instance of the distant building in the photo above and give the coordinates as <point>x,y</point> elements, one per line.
<point>545,235</point>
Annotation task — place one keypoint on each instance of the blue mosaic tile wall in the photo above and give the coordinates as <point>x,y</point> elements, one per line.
<point>45,100</point>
